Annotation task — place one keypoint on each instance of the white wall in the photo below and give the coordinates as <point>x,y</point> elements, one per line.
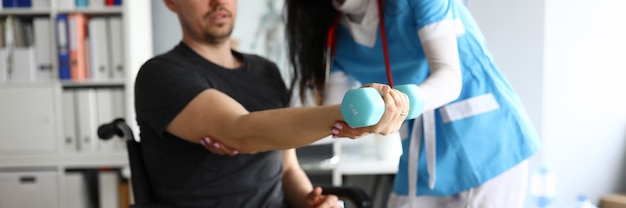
<point>166,30</point>
<point>564,59</point>
<point>515,39</point>
<point>585,96</point>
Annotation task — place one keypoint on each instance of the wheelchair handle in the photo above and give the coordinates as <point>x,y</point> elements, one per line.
<point>116,127</point>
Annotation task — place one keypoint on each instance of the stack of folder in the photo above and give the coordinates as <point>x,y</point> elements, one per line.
<point>89,48</point>
<point>25,49</point>
<point>62,4</point>
<point>84,110</point>
<point>72,4</point>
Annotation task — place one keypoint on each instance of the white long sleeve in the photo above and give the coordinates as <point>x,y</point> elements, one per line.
<point>445,81</point>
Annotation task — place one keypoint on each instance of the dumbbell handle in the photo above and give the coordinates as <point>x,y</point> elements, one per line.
<point>416,99</point>
<point>363,107</point>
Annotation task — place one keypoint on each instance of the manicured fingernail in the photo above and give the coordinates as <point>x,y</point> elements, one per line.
<point>207,140</point>
<point>334,131</point>
<point>338,126</point>
<point>217,145</point>
<point>235,152</point>
<point>202,142</point>
<point>386,88</point>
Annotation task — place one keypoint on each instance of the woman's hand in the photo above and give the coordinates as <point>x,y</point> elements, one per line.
<point>217,148</point>
<point>396,109</point>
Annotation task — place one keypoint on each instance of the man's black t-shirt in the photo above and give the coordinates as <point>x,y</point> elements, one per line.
<point>185,174</point>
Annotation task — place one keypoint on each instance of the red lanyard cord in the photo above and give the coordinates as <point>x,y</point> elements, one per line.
<point>331,43</point>
<point>383,37</point>
<point>331,39</point>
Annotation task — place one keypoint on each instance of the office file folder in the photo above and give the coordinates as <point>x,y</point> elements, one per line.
<point>24,3</point>
<point>108,182</point>
<point>70,136</point>
<point>86,120</point>
<point>20,53</point>
<point>81,3</point>
<point>119,111</point>
<point>99,49</point>
<point>3,65</point>
<point>2,40</point>
<point>18,32</point>
<point>116,43</point>
<point>43,50</point>
<point>77,192</point>
<point>104,103</point>
<point>11,3</point>
<point>40,4</point>
<point>97,3</point>
<point>3,55</point>
<point>63,47</point>
<point>78,49</point>
<point>113,2</point>
<point>66,4</point>
<point>16,3</point>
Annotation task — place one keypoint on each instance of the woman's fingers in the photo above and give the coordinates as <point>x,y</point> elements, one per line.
<point>217,147</point>
<point>341,129</point>
<point>382,89</point>
<point>396,110</point>
<point>394,114</point>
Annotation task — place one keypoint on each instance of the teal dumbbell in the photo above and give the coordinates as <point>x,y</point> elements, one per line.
<point>363,107</point>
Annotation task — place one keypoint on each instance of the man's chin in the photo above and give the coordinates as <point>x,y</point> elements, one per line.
<point>219,32</point>
<point>217,39</point>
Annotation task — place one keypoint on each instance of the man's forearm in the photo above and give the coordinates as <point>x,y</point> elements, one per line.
<point>287,128</point>
<point>296,183</point>
<point>218,116</point>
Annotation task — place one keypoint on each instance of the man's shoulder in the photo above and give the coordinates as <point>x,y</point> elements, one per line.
<point>161,66</point>
<point>171,59</point>
<point>171,56</point>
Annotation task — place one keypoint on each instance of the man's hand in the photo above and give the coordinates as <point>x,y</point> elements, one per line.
<point>315,199</point>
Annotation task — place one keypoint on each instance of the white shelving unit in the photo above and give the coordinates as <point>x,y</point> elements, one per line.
<point>31,113</point>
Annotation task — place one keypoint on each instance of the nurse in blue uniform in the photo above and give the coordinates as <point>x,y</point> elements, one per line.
<point>471,143</point>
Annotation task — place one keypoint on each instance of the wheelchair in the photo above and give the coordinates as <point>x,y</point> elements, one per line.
<point>141,188</point>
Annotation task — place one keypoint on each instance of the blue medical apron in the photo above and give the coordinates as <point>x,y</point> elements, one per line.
<point>466,142</point>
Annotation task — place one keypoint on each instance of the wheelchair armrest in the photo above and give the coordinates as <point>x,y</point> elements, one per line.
<point>354,194</point>
<point>150,206</point>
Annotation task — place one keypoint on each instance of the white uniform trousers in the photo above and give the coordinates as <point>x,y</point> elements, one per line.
<point>508,190</point>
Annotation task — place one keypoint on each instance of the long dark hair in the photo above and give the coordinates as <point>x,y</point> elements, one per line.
<point>308,22</point>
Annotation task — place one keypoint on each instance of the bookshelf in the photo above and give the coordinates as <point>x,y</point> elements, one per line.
<point>33,111</point>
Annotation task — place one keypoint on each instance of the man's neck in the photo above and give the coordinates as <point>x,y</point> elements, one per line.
<point>218,53</point>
